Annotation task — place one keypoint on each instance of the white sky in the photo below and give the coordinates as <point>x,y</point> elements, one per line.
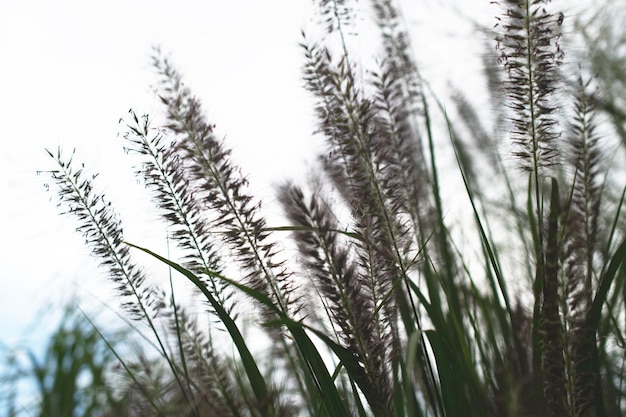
<point>70,69</point>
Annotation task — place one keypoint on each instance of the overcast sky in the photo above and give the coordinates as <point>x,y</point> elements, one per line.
<point>70,69</point>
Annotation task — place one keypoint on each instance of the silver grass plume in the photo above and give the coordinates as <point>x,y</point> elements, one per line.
<point>350,304</point>
<point>528,42</point>
<point>348,123</point>
<point>398,57</point>
<point>580,248</point>
<point>530,53</point>
<point>406,179</point>
<point>397,96</point>
<point>359,157</point>
<point>362,162</point>
<point>223,190</point>
<point>164,175</point>
<point>584,156</point>
<point>103,233</point>
<point>222,193</point>
<point>403,177</point>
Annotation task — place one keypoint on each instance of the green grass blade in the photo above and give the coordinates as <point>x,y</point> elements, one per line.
<point>605,285</point>
<point>324,381</point>
<point>317,367</point>
<point>255,377</point>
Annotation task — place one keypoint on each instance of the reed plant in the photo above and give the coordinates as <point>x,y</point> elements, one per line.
<point>384,310</point>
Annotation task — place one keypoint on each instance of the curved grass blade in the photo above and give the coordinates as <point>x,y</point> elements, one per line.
<point>255,377</point>
<point>605,284</point>
<point>316,365</point>
<point>322,378</point>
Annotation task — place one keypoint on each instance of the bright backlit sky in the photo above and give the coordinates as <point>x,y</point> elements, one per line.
<point>70,69</point>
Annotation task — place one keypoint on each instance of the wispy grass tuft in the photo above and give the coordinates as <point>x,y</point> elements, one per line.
<point>388,306</point>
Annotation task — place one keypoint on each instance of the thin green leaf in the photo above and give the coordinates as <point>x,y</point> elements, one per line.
<point>255,377</point>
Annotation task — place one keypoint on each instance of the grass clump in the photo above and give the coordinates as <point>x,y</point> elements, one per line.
<point>384,311</point>
<point>71,377</point>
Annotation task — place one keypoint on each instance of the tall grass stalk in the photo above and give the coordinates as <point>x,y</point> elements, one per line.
<point>385,311</point>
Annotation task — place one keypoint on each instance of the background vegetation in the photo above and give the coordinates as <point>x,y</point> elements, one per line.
<point>383,302</point>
